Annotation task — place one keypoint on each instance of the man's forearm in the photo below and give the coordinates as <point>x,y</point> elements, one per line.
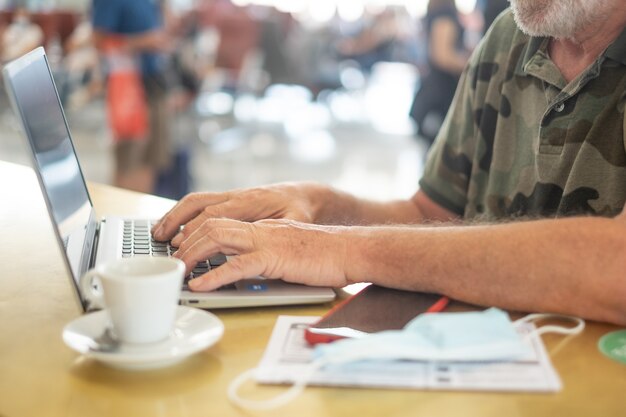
<point>333,206</point>
<point>574,266</point>
<point>338,207</point>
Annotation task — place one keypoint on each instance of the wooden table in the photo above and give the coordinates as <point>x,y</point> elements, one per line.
<point>40,376</point>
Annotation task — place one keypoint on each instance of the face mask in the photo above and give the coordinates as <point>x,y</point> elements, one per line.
<point>487,335</point>
<point>471,336</point>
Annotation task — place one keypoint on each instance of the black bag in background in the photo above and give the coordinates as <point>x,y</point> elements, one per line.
<point>175,182</point>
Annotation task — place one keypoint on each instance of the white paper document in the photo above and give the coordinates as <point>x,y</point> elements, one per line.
<point>288,354</point>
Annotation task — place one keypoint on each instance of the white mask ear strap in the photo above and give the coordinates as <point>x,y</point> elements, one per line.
<point>277,401</point>
<point>580,324</point>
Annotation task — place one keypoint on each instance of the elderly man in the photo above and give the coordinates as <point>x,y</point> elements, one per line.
<point>532,156</point>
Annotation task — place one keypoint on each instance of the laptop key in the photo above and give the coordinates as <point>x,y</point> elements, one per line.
<point>218,260</point>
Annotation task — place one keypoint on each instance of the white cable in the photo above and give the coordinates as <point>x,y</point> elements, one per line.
<point>550,328</point>
<point>281,399</point>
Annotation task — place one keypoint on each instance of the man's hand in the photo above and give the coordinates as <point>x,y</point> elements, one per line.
<point>281,201</point>
<point>295,252</point>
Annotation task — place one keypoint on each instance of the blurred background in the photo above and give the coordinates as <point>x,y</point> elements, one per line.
<point>261,91</point>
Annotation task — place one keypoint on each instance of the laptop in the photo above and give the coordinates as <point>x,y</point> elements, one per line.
<point>87,241</point>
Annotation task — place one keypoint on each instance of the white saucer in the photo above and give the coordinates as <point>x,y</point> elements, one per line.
<point>194,330</point>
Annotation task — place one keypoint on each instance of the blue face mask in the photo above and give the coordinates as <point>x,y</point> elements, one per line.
<point>469,336</point>
<point>487,335</point>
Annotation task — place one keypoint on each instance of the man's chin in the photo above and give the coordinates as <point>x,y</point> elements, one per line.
<point>538,30</point>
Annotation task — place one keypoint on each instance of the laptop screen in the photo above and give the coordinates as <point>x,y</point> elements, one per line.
<point>31,88</point>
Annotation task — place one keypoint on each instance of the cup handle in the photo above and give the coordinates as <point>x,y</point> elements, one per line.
<point>91,288</point>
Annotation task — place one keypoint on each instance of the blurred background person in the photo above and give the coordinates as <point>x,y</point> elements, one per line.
<point>21,35</point>
<point>447,56</point>
<point>136,27</point>
<point>82,64</point>
<point>373,42</point>
<point>491,9</point>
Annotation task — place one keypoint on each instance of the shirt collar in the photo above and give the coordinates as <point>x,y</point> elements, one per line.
<point>616,51</point>
<point>533,45</point>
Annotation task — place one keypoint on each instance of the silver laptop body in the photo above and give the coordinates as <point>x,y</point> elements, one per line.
<point>86,241</point>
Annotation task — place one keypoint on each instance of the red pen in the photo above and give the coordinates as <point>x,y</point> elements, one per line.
<point>439,305</point>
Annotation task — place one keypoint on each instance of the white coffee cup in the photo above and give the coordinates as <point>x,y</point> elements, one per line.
<point>141,295</point>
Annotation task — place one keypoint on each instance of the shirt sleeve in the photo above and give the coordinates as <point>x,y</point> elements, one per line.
<point>449,164</point>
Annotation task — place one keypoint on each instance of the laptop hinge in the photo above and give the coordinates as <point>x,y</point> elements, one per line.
<point>96,240</point>
<point>90,246</point>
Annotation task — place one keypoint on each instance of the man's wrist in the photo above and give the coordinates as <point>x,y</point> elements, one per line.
<point>360,245</point>
<point>320,198</point>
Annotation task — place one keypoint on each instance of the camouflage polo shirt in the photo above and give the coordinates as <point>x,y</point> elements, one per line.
<point>521,141</point>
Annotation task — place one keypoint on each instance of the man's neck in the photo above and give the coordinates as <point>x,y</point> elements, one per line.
<point>573,55</point>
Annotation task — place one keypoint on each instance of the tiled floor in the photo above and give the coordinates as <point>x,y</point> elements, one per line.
<point>253,142</point>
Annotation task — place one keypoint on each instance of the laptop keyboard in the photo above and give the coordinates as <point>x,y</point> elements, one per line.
<point>137,241</point>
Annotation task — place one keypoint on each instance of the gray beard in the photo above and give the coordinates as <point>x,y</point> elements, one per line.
<point>559,19</point>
